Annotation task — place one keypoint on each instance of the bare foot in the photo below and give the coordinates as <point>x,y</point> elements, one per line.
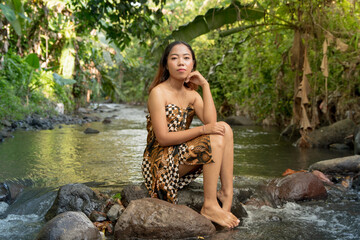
<point>225,199</point>
<point>220,216</point>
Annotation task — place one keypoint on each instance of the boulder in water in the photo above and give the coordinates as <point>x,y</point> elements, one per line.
<point>157,219</point>
<point>192,196</point>
<point>344,166</point>
<point>297,187</point>
<point>335,133</point>
<point>75,197</point>
<point>239,120</point>
<point>91,131</point>
<point>71,226</point>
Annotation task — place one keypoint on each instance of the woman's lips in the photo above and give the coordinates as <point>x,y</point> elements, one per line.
<point>181,70</point>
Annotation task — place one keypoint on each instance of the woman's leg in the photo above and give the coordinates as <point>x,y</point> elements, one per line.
<point>225,194</point>
<point>211,208</point>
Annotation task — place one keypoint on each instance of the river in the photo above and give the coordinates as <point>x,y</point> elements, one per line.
<point>44,160</point>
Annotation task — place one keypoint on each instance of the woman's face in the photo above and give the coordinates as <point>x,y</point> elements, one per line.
<point>180,62</point>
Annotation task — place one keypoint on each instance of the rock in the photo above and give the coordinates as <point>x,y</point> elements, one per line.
<point>107,120</point>
<point>83,110</point>
<point>239,120</point>
<point>91,131</point>
<point>74,197</point>
<point>133,192</point>
<point>6,123</point>
<point>357,140</point>
<point>274,218</point>
<point>115,211</point>
<point>152,218</point>
<point>297,187</point>
<point>344,166</point>
<point>9,191</point>
<point>70,226</point>
<point>102,107</point>
<point>5,134</point>
<point>191,196</point>
<point>96,216</point>
<point>335,133</point>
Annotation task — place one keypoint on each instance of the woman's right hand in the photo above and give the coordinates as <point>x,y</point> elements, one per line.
<point>214,128</point>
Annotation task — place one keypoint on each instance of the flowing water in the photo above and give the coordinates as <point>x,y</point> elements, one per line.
<point>44,160</point>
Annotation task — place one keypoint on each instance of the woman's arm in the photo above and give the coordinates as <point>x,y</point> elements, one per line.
<point>204,108</point>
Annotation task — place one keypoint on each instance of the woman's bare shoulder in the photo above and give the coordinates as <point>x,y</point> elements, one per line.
<point>158,90</point>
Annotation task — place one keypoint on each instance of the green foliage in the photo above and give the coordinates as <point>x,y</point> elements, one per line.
<point>59,51</point>
<point>25,90</point>
<point>11,106</point>
<point>119,19</point>
<point>117,196</point>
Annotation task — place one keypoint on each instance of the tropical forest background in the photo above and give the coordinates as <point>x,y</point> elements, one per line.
<point>275,61</point>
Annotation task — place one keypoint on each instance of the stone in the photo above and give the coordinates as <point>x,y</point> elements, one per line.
<point>91,131</point>
<point>75,197</point>
<point>106,120</point>
<point>343,166</point>
<point>114,212</point>
<point>9,191</point>
<point>151,218</point>
<point>6,123</point>
<point>96,216</point>
<point>335,133</point>
<point>133,192</point>
<point>83,110</point>
<point>192,196</point>
<point>299,186</point>
<point>70,226</point>
<point>239,120</point>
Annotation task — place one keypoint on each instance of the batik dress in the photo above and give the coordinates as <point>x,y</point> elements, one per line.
<point>160,166</point>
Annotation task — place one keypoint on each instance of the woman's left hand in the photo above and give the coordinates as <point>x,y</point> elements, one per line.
<point>196,78</point>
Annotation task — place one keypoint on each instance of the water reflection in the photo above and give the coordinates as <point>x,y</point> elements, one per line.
<point>53,158</point>
<point>65,155</point>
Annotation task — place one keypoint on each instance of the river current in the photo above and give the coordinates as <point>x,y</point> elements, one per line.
<point>45,160</point>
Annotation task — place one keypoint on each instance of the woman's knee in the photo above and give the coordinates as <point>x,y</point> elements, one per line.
<point>217,141</point>
<point>228,130</point>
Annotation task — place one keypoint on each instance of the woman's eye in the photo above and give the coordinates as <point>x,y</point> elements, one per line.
<point>173,58</point>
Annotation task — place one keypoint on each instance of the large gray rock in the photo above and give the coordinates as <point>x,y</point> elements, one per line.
<point>191,196</point>
<point>69,226</point>
<point>74,197</point>
<point>239,120</point>
<point>344,166</point>
<point>297,187</point>
<point>335,133</point>
<point>151,218</point>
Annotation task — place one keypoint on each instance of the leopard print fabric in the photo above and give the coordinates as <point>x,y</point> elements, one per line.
<point>160,166</point>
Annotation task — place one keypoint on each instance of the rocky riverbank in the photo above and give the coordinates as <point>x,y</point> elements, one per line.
<point>80,212</point>
<point>37,122</point>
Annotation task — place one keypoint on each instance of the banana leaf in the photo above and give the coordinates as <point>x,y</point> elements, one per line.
<point>216,18</point>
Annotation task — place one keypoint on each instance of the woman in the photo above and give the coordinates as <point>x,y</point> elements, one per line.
<point>175,154</point>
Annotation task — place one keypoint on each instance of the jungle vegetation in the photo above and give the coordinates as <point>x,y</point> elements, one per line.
<point>276,61</point>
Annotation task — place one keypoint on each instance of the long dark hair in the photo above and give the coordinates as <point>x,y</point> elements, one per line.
<point>163,73</point>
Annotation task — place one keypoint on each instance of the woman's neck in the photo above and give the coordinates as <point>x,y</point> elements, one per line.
<point>176,84</point>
